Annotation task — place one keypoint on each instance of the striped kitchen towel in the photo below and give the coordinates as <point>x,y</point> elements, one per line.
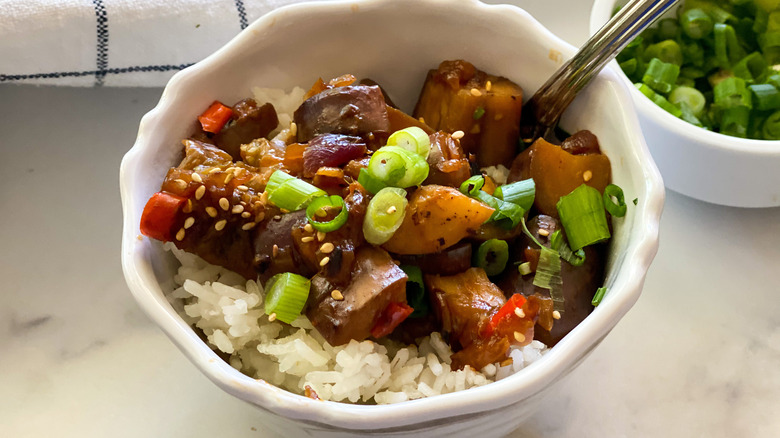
<point>115,42</point>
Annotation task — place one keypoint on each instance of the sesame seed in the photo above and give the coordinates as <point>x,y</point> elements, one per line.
<point>320,236</point>
<point>422,120</point>
<point>391,209</point>
<point>189,222</point>
<point>324,261</point>
<point>214,170</point>
<point>337,295</point>
<point>259,217</point>
<point>475,92</point>
<point>272,317</point>
<point>187,208</point>
<point>543,232</point>
<point>200,192</point>
<point>508,361</point>
<point>220,225</point>
<point>181,183</point>
<point>457,135</point>
<point>556,314</point>
<point>307,239</point>
<point>228,178</point>
<point>488,85</point>
<point>293,128</point>
<point>211,211</point>
<point>264,197</point>
<point>238,172</point>
<point>196,177</point>
<point>308,228</point>
<point>246,214</point>
<point>320,212</point>
<point>327,248</point>
<point>180,235</point>
<point>237,209</point>
<point>248,226</point>
<point>230,169</point>
<point>519,312</point>
<point>277,217</point>
<point>242,187</point>
<point>587,175</point>
<point>224,204</point>
<point>275,250</point>
<point>519,337</point>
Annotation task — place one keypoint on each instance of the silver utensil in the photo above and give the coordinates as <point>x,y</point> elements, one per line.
<point>543,111</point>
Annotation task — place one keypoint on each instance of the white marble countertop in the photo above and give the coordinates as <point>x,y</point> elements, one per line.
<point>699,354</point>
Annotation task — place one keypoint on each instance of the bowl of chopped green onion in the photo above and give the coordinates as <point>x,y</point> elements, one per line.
<point>706,82</point>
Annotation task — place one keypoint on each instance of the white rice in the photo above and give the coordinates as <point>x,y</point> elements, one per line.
<point>229,312</point>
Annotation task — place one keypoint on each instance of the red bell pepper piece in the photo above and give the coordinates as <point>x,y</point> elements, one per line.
<point>506,311</point>
<point>160,214</point>
<point>393,315</point>
<point>215,117</point>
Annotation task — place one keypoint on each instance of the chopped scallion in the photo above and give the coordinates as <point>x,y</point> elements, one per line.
<point>398,167</point>
<point>413,139</point>
<point>598,296</point>
<point>325,203</point>
<point>384,215</point>
<point>617,209</point>
<point>521,193</point>
<point>286,295</point>
<point>558,243</point>
<point>415,291</point>
<point>582,216</point>
<point>291,193</point>
<point>492,256</point>
<point>548,276</point>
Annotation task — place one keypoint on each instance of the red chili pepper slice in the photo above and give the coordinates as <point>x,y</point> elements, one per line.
<point>506,311</point>
<point>160,214</point>
<point>215,117</point>
<point>393,315</point>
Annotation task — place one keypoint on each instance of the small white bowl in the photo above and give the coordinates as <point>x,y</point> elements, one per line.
<point>395,43</point>
<point>702,164</point>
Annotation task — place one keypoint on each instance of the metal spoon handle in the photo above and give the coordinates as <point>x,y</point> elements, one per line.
<point>559,91</point>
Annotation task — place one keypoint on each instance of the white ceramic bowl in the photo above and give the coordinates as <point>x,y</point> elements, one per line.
<point>395,43</point>
<point>702,164</point>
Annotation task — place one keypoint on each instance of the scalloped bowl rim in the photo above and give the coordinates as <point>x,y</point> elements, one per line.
<point>532,380</point>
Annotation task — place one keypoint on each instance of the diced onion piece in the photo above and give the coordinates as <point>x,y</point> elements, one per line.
<point>397,167</point>
<point>415,291</point>
<point>384,215</point>
<point>324,202</point>
<point>412,139</point>
<point>582,216</point>
<point>521,193</point>
<point>492,256</point>
<point>286,295</point>
<point>291,193</point>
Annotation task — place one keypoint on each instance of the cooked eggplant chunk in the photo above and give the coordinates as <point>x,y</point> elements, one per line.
<point>557,172</point>
<point>450,261</point>
<point>331,150</point>
<point>487,108</point>
<point>376,282</point>
<point>448,163</point>
<point>357,110</point>
<point>579,282</point>
<point>274,249</point>
<point>249,122</point>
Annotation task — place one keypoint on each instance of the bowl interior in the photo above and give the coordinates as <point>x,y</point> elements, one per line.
<point>395,44</point>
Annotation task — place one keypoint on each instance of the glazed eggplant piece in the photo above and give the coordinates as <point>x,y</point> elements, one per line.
<point>249,122</point>
<point>376,282</point>
<point>557,172</point>
<point>459,97</point>
<point>579,282</point>
<point>450,261</point>
<point>448,163</point>
<point>274,250</point>
<point>356,110</point>
<point>331,150</point>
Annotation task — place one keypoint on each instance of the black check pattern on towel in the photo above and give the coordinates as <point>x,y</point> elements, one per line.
<point>102,42</point>
<point>102,49</point>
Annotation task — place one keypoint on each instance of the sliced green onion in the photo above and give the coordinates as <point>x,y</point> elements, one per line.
<point>398,167</point>
<point>521,193</point>
<point>370,183</point>
<point>691,97</point>
<point>734,121</point>
<point>732,92</point>
<point>582,216</point>
<point>478,113</point>
<point>659,100</point>
<point>291,193</point>
<point>558,243</point>
<point>661,76</point>
<point>667,51</point>
<point>617,209</point>
<point>384,215</point>
<point>696,23</point>
<point>329,202</point>
<point>492,256</point>
<point>636,201</point>
<point>415,291</point>
<point>765,97</point>
<point>286,295</point>
<point>751,67</point>
<point>412,139</point>
<point>598,296</point>
<point>548,276</point>
<point>473,185</point>
<point>771,128</point>
<point>524,268</point>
